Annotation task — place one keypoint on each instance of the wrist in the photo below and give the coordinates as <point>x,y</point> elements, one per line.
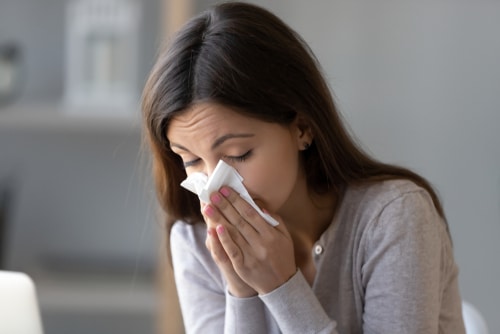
<point>241,292</point>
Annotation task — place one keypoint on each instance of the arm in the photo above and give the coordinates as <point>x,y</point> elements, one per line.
<point>205,304</point>
<point>297,310</point>
<point>262,256</point>
<point>403,267</point>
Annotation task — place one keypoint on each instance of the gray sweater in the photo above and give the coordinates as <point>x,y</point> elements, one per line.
<point>384,265</point>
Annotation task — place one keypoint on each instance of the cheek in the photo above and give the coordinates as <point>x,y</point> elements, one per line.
<point>273,183</point>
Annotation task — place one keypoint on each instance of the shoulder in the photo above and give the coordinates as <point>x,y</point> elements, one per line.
<point>187,237</point>
<point>395,210</point>
<point>369,200</point>
<point>187,233</point>
<point>392,205</point>
<point>383,192</point>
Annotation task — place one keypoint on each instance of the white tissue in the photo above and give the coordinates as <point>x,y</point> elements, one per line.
<point>223,175</point>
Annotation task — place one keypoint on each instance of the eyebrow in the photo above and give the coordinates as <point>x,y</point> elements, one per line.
<point>219,141</point>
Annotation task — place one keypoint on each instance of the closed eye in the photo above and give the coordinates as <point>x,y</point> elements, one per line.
<point>191,163</point>
<point>239,158</point>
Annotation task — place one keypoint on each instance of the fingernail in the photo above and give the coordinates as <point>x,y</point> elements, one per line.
<point>209,211</point>
<point>220,229</point>
<point>225,191</point>
<point>215,198</point>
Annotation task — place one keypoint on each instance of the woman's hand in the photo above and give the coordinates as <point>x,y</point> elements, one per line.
<point>261,255</point>
<point>236,286</point>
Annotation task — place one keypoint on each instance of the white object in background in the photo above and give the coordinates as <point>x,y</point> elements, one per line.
<point>223,175</point>
<point>473,320</point>
<point>102,56</point>
<point>19,311</point>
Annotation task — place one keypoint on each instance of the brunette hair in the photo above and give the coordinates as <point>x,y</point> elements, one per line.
<point>242,56</point>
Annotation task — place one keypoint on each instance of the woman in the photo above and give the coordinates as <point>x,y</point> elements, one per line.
<point>361,247</point>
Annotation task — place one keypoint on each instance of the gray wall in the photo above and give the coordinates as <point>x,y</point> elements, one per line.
<point>419,84</point>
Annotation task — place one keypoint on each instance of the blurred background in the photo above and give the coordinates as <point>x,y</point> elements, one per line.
<point>418,83</point>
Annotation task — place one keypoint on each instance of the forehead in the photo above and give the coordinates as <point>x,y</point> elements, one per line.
<point>208,121</point>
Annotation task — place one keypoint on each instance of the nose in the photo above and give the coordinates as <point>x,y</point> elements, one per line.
<point>209,168</point>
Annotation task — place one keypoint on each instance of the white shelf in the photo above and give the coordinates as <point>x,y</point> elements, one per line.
<point>57,117</point>
<point>82,295</point>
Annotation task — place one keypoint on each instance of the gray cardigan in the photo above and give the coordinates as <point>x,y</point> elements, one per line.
<point>384,265</point>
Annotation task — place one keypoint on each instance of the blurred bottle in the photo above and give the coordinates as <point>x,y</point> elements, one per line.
<point>102,56</point>
<point>10,72</point>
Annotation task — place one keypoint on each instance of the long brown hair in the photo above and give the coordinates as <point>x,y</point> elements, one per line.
<point>243,56</point>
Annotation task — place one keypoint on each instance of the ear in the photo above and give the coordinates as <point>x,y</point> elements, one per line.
<point>303,133</point>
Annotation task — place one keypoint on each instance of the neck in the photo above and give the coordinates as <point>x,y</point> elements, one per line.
<point>307,216</point>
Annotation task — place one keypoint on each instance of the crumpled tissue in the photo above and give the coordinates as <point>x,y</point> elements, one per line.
<point>223,175</point>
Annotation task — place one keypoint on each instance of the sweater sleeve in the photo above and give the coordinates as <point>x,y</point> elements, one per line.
<point>206,305</point>
<point>297,310</point>
<point>245,315</point>
<point>404,267</point>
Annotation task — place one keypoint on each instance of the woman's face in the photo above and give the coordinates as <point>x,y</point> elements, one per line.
<point>265,154</point>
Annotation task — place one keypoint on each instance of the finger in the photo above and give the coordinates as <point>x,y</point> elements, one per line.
<point>209,214</point>
<point>232,250</point>
<point>248,214</point>
<point>216,250</point>
<point>214,218</point>
<point>234,217</point>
